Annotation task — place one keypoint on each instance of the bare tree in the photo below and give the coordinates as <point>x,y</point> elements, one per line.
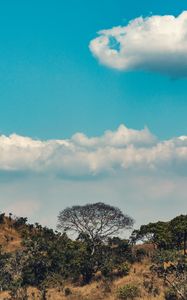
<point>98,221</point>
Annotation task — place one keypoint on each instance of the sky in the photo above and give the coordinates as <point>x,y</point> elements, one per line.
<point>93,105</point>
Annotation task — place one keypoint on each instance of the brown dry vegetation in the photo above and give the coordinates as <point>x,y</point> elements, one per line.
<point>100,290</point>
<point>10,240</point>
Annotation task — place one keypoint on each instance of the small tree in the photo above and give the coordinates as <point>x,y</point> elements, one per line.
<point>98,221</point>
<point>157,233</point>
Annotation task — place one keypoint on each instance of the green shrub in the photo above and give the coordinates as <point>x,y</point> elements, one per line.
<point>107,268</point>
<point>128,292</point>
<point>123,269</point>
<point>161,256</point>
<point>140,254</point>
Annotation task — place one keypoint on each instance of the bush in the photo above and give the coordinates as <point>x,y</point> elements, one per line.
<point>128,291</point>
<point>170,295</point>
<point>67,292</point>
<point>162,256</point>
<point>106,269</point>
<point>123,269</point>
<point>19,222</point>
<point>140,254</point>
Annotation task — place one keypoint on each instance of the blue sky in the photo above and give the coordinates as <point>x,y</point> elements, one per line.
<point>51,86</point>
<point>54,85</point>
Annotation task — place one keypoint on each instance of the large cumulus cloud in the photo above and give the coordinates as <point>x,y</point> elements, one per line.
<point>80,156</point>
<point>156,43</point>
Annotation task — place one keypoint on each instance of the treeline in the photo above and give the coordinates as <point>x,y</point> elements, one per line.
<point>49,258</point>
<point>164,235</point>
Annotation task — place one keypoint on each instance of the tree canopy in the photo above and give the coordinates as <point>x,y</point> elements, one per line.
<point>165,235</point>
<point>98,221</point>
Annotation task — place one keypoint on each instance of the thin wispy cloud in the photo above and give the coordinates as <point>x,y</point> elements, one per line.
<point>156,44</point>
<point>115,151</point>
<point>23,208</point>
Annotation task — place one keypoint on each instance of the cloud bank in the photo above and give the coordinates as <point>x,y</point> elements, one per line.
<point>81,156</point>
<point>156,44</point>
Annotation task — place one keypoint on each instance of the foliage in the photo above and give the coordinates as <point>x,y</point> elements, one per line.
<point>165,235</point>
<point>178,229</point>
<point>98,221</point>
<point>173,273</point>
<point>19,222</point>
<point>156,233</point>
<point>107,269</point>
<point>165,256</point>
<point>49,258</point>
<point>121,250</point>
<point>140,254</point>
<point>123,269</point>
<point>128,291</point>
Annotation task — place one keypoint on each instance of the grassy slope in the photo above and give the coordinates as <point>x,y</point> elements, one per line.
<point>10,240</point>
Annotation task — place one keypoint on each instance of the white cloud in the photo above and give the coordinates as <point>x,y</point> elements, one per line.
<point>156,43</point>
<point>120,150</point>
<point>147,176</point>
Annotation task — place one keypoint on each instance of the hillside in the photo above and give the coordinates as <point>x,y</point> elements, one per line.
<point>10,238</point>
<point>20,240</point>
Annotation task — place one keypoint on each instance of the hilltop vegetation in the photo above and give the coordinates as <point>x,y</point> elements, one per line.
<point>39,263</point>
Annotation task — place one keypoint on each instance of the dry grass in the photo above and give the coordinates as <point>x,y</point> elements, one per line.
<point>10,241</point>
<point>100,290</point>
